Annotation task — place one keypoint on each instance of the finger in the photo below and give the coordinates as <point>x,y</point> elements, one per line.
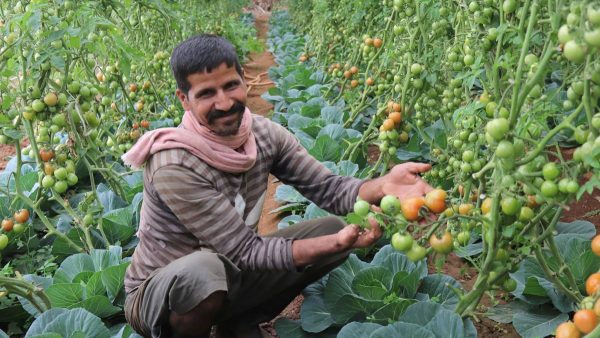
<point>375,227</point>
<point>375,208</point>
<point>416,167</point>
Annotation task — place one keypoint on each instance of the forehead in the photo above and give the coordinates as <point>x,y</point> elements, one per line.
<point>221,74</point>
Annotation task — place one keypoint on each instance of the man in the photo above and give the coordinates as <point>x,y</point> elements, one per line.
<point>200,262</point>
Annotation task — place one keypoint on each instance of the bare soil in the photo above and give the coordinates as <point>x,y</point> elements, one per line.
<point>6,152</point>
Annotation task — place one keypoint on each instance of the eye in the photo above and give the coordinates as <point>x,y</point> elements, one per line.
<point>232,85</point>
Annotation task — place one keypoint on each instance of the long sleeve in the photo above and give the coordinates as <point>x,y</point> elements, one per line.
<point>293,165</point>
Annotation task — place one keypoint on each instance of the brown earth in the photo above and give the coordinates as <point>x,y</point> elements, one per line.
<point>5,152</point>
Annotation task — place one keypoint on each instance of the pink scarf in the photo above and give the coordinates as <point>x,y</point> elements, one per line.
<point>217,151</point>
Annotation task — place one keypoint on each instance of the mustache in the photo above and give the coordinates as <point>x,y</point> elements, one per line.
<point>236,108</point>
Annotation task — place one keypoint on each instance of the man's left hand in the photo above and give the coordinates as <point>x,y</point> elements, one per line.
<point>404,181</point>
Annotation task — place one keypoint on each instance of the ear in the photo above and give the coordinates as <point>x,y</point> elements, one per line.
<point>183,99</point>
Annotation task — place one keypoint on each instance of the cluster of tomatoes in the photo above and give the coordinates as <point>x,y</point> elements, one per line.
<point>392,131</point>
<point>586,318</point>
<point>17,224</point>
<point>578,38</point>
<point>398,214</point>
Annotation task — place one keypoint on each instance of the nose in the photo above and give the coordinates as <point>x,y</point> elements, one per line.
<point>223,101</point>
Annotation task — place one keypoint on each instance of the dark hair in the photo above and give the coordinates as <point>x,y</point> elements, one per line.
<point>199,54</point>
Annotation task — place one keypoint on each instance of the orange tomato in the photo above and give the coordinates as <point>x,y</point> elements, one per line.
<point>597,307</point>
<point>21,216</point>
<point>370,82</point>
<point>354,70</point>
<point>396,107</point>
<point>465,208</point>
<point>596,245</point>
<point>377,43</point>
<point>410,207</point>
<point>435,200</point>
<point>486,205</point>
<point>347,74</point>
<point>585,320</point>
<point>388,124</point>
<point>354,83</point>
<point>592,284</point>
<point>567,330</point>
<point>396,117</point>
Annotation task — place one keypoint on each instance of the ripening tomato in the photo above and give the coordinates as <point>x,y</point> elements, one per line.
<point>465,208</point>
<point>486,205</point>
<point>410,208</point>
<point>435,200</point>
<point>46,154</point>
<point>567,330</point>
<point>442,244</point>
<point>396,117</point>
<point>592,284</point>
<point>21,216</point>
<point>585,320</point>
<point>596,245</point>
<point>7,224</point>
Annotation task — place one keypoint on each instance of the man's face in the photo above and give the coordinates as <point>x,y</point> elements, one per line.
<point>217,99</point>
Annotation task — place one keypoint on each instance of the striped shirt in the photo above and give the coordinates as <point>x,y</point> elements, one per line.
<point>189,205</point>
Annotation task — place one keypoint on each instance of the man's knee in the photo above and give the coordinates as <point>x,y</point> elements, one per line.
<point>198,320</point>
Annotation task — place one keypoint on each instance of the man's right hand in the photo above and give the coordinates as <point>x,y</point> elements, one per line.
<point>353,237</point>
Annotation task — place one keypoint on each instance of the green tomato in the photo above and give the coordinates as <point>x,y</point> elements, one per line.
<point>390,204</point>
<point>72,179</point>
<point>581,135</point>
<point>596,121</point>
<point>526,214</point>
<point>61,173</point>
<point>549,189</point>
<point>61,186</point>
<point>564,34</point>
<point>497,128</point>
<point>416,252</point>
<point>505,149</point>
<point>402,242</point>
<point>572,186</point>
<point>593,15</point>
<point>510,206</point>
<point>574,52</point>
<point>38,106</point>
<point>509,6</point>
<point>509,285</point>
<point>48,181</point>
<point>550,171</point>
<point>19,228</point>
<point>3,241</point>
<point>468,156</point>
<point>592,38</point>
<point>463,237</point>
<point>361,208</point>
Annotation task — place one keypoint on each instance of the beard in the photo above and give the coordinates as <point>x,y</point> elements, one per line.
<point>231,127</point>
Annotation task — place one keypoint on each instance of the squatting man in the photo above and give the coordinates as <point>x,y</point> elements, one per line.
<point>199,264</point>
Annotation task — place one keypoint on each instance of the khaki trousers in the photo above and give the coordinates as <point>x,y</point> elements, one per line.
<point>253,297</point>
